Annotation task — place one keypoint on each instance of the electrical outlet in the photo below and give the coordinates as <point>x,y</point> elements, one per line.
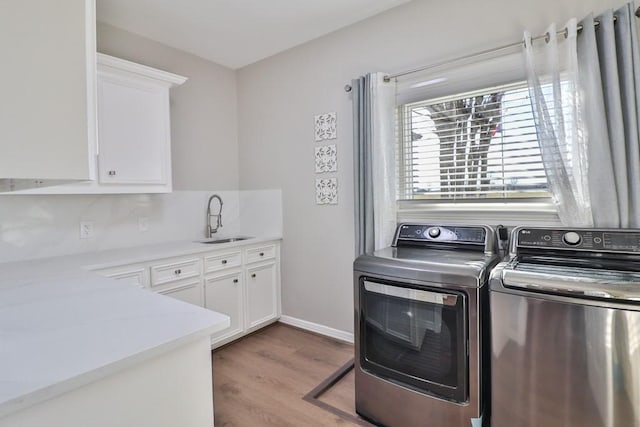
<point>86,229</point>
<point>143,224</point>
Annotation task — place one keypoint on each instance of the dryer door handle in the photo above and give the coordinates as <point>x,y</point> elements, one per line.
<point>411,294</point>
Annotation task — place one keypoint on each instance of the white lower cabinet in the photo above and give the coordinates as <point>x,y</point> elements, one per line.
<point>222,261</point>
<point>134,275</point>
<point>188,291</point>
<point>243,283</point>
<point>175,269</point>
<point>225,294</point>
<point>262,295</point>
<point>250,297</point>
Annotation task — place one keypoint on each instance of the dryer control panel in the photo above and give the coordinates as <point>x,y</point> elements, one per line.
<point>428,234</point>
<point>593,240</point>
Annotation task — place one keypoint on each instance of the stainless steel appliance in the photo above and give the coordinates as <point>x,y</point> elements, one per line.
<point>421,324</point>
<point>565,316</point>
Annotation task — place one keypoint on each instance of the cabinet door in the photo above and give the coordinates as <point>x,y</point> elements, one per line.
<point>262,295</point>
<point>47,87</point>
<point>190,292</point>
<point>133,131</point>
<point>224,294</point>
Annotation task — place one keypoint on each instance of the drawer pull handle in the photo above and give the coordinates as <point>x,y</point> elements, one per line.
<point>261,253</point>
<point>253,275</point>
<point>224,261</point>
<point>235,280</point>
<point>178,271</point>
<point>112,173</point>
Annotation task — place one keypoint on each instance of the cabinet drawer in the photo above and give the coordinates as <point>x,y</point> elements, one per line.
<point>260,253</point>
<point>190,292</point>
<point>170,272</point>
<point>222,261</point>
<point>137,276</point>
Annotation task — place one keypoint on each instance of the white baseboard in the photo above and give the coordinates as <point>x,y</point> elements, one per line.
<point>317,328</point>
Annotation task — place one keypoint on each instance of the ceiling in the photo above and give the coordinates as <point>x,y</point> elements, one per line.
<point>235,33</point>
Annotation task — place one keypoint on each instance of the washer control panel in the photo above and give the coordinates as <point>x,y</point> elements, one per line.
<point>417,233</point>
<point>579,239</point>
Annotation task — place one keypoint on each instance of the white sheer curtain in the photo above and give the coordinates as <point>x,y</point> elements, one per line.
<point>552,74</point>
<point>374,162</point>
<point>585,91</point>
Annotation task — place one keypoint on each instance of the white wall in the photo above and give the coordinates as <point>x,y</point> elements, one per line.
<point>203,110</point>
<point>278,97</point>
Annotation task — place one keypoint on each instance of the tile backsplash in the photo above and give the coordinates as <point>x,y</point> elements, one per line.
<point>42,226</point>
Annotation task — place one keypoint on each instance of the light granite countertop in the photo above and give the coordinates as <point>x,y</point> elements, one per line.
<point>63,326</point>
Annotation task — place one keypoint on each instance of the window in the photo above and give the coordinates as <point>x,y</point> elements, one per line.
<point>474,145</point>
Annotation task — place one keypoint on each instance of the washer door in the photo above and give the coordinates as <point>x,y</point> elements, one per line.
<point>415,336</point>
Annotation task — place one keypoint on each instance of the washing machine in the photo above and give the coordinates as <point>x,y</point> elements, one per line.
<point>421,327</point>
<point>565,320</point>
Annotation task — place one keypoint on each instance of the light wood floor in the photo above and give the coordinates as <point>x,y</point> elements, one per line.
<point>261,379</point>
<point>341,395</point>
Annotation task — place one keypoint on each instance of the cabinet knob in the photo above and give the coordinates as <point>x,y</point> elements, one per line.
<point>224,261</point>
<point>253,275</point>
<point>178,271</point>
<point>235,280</point>
<point>261,253</point>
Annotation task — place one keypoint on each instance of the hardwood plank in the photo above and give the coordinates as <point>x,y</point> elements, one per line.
<point>261,379</point>
<point>342,394</point>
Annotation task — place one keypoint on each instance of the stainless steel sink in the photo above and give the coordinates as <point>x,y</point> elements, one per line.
<point>227,240</point>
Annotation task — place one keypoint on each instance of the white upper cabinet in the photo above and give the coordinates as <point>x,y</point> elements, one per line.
<point>134,132</point>
<point>47,85</point>
<point>134,135</point>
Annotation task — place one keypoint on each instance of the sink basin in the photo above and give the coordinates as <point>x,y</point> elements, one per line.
<point>227,240</point>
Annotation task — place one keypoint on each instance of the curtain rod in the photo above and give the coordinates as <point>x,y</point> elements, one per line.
<point>545,36</point>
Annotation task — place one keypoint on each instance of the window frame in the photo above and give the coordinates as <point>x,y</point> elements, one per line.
<point>405,145</point>
<point>532,210</point>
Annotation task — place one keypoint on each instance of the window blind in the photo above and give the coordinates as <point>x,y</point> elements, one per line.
<point>475,145</point>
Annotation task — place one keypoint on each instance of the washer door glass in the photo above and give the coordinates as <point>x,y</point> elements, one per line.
<point>415,336</point>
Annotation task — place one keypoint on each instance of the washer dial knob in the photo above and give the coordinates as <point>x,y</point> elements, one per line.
<point>434,232</point>
<point>571,238</point>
